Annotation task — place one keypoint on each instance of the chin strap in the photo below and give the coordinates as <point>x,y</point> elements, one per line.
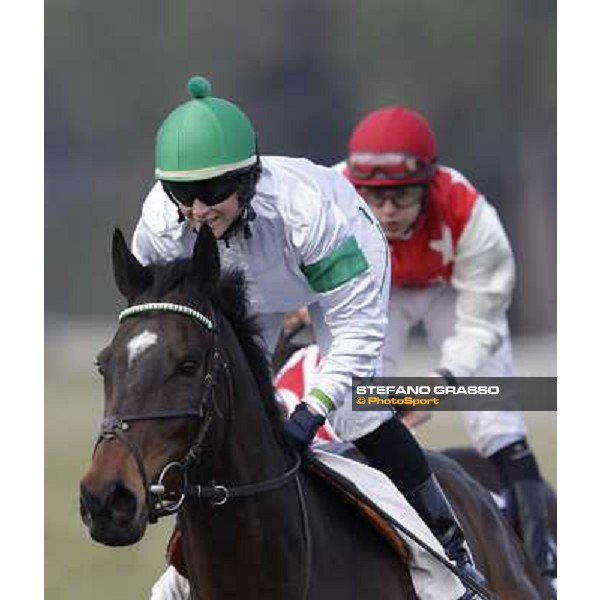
<point>241,223</point>
<point>247,214</point>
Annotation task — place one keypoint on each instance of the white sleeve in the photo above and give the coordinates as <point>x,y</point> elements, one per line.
<point>356,316</point>
<point>353,306</point>
<point>484,277</point>
<point>159,236</point>
<point>143,245</point>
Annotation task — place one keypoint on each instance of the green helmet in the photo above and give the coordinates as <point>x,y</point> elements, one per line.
<point>204,138</point>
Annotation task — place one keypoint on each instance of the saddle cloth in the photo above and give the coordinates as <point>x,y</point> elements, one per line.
<point>431,580</point>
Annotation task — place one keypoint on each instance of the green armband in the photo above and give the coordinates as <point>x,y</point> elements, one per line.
<point>339,266</point>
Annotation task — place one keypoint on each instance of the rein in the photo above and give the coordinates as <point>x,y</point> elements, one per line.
<point>116,426</point>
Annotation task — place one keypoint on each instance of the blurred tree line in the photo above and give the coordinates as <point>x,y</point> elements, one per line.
<point>305,71</point>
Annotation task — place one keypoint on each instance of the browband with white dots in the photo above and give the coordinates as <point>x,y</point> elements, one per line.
<point>166,307</point>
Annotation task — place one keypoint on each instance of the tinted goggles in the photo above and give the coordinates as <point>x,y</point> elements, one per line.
<point>400,197</point>
<point>391,165</point>
<point>209,192</point>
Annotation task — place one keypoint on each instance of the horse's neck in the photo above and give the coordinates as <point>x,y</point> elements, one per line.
<point>262,534</point>
<point>246,540</point>
<point>249,449</point>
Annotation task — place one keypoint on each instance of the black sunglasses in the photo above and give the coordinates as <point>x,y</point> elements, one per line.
<point>209,192</point>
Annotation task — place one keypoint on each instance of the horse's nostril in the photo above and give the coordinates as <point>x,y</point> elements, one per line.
<point>122,503</point>
<point>113,502</point>
<point>89,504</point>
<point>83,511</point>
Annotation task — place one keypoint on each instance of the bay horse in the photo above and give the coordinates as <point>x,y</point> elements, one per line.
<point>191,426</point>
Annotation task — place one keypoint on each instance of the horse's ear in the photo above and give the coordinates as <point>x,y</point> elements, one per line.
<point>205,266</point>
<point>130,276</point>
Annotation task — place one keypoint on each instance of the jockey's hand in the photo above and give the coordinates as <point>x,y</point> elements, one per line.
<point>302,426</point>
<point>442,377</point>
<point>295,318</point>
<point>414,418</point>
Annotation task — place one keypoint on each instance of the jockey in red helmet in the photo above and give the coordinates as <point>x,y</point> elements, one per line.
<point>392,155</point>
<point>452,272</point>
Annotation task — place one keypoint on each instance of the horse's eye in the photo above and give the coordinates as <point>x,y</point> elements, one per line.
<point>188,367</point>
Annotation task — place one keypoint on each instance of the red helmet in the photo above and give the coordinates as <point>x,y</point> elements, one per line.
<point>391,146</point>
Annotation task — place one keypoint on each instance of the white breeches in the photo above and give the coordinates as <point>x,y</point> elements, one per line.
<point>171,586</point>
<point>435,308</point>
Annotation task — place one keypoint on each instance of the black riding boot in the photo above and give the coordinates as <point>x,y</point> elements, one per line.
<point>392,449</point>
<point>429,500</point>
<point>528,500</point>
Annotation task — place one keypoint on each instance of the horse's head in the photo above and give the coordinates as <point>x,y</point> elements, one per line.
<point>160,374</point>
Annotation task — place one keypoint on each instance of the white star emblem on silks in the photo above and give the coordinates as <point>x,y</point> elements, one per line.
<point>444,245</point>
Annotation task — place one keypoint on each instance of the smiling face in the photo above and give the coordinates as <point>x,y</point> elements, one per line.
<point>219,217</point>
<point>214,202</point>
<point>396,208</point>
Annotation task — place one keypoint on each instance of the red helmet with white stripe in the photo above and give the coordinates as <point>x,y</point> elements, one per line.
<point>391,146</point>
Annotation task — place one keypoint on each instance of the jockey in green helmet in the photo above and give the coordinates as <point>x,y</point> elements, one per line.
<point>206,148</point>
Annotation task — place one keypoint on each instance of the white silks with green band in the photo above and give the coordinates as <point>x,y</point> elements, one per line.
<point>204,138</point>
<point>339,266</point>
<point>314,243</point>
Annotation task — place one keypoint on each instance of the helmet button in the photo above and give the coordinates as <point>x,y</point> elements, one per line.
<point>199,87</point>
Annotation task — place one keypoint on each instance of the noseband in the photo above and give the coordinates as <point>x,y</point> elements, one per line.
<point>116,426</point>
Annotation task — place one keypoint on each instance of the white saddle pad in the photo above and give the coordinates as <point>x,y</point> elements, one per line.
<point>432,581</point>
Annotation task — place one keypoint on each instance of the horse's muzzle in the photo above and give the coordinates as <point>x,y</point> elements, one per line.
<point>112,513</point>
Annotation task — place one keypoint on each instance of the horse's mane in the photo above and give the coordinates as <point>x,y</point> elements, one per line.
<point>229,296</point>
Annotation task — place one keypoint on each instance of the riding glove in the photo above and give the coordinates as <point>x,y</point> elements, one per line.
<point>302,426</point>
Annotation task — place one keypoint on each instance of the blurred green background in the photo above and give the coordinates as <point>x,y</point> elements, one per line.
<point>304,71</point>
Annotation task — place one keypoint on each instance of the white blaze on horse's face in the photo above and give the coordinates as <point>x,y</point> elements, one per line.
<point>140,343</point>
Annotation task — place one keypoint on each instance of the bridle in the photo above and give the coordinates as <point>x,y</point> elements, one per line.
<point>159,501</point>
